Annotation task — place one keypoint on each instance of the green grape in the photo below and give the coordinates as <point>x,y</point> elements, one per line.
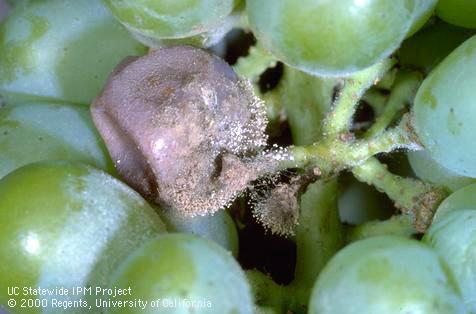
<point>461,199</point>
<point>422,12</point>
<point>333,38</point>
<point>386,274</point>
<point>445,111</point>
<point>426,49</point>
<point>42,131</point>
<point>429,170</point>
<point>152,22</point>
<point>182,268</point>
<point>454,237</point>
<point>61,49</point>
<point>218,227</point>
<point>67,225</point>
<point>359,203</point>
<point>457,12</point>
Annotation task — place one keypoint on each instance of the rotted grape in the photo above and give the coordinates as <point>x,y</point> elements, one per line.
<point>181,128</point>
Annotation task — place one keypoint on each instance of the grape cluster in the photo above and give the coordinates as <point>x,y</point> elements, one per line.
<point>138,151</point>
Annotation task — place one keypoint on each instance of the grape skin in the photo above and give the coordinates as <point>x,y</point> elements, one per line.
<point>429,170</point>
<point>454,238</point>
<point>333,38</point>
<point>154,21</point>
<point>68,225</point>
<point>426,49</point>
<point>385,274</point>
<point>184,267</point>
<point>60,50</point>
<point>44,131</point>
<point>461,199</point>
<point>457,12</point>
<point>218,227</point>
<point>445,111</point>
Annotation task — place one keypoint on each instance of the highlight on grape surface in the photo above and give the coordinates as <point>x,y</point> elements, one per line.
<point>238,156</point>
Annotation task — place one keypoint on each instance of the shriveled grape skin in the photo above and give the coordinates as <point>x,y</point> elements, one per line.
<point>179,125</point>
<point>67,225</point>
<point>330,38</point>
<point>458,12</point>
<point>61,50</point>
<point>454,238</point>
<point>386,274</point>
<point>44,131</point>
<point>445,111</point>
<point>181,267</point>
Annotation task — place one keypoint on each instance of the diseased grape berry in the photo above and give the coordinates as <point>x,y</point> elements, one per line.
<point>182,128</point>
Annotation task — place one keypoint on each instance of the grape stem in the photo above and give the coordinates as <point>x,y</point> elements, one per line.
<point>339,120</point>
<point>266,291</point>
<point>403,92</point>
<point>376,100</point>
<point>255,63</point>
<point>414,198</point>
<point>338,150</point>
<point>334,154</point>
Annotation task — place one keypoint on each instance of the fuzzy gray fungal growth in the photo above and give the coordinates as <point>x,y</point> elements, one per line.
<point>277,209</point>
<point>182,128</point>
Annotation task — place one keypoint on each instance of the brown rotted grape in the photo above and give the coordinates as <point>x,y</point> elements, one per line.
<point>182,128</point>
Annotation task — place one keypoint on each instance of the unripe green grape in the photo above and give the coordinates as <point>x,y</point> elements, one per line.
<point>164,20</point>
<point>454,237</point>
<point>429,170</point>
<point>333,38</point>
<point>422,12</point>
<point>445,111</point>
<point>386,274</point>
<point>457,12</point>
<point>67,225</point>
<point>426,49</point>
<point>218,227</point>
<point>461,199</point>
<point>61,49</point>
<point>359,203</point>
<point>183,267</point>
<point>44,131</point>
